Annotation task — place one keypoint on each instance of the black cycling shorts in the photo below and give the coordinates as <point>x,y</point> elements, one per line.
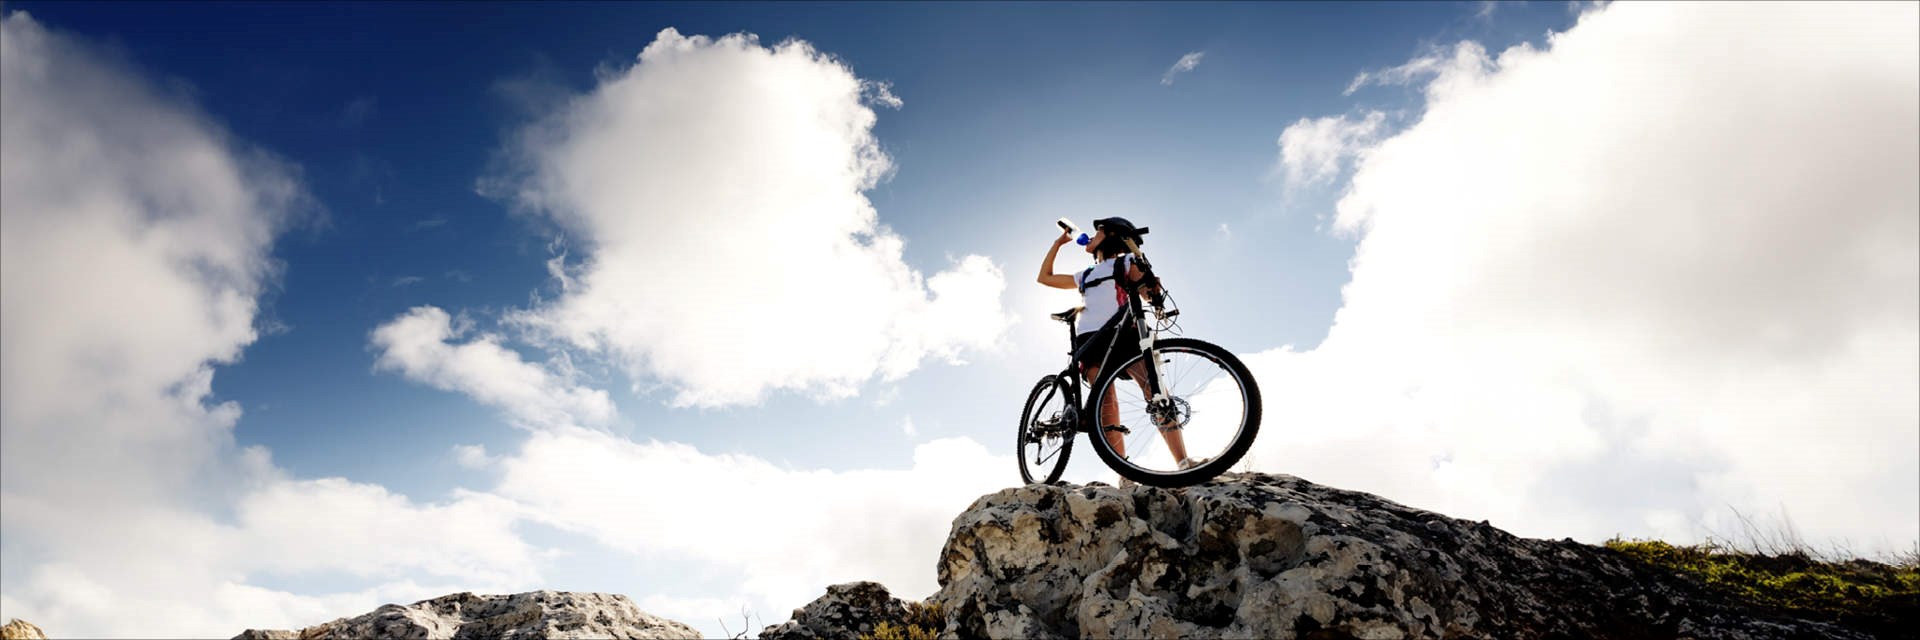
<point>1089,355</point>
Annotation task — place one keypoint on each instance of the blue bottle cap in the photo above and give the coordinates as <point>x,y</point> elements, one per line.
<point>1082,240</point>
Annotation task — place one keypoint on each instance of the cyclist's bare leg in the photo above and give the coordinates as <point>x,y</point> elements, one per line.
<point>1109,415</point>
<point>1176,443</point>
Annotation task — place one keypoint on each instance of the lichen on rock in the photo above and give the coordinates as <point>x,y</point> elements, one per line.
<point>846,611</point>
<point>1275,556</point>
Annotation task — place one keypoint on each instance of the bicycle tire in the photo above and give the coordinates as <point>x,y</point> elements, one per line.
<point>1044,393</point>
<point>1236,449</point>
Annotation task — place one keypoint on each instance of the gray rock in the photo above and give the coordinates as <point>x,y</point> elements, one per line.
<point>535,614</point>
<point>268,634</point>
<point>1274,556</point>
<point>846,611</point>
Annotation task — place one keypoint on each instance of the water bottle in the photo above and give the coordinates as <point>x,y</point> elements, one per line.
<point>1067,226</point>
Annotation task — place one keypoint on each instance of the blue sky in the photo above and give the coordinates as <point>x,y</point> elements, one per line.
<point>1478,269</point>
<point>1015,115</point>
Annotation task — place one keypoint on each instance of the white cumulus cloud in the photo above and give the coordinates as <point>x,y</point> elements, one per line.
<point>472,456</point>
<point>716,189</point>
<point>1314,150</point>
<point>788,532</point>
<point>652,499</point>
<point>134,243</point>
<point>420,344</point>
<point>1666,267</point>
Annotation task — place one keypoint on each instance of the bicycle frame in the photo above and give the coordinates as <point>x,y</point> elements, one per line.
<point>1135,313</point>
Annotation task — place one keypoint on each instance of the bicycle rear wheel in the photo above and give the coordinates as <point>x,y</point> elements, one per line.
<point>1211,410</point>
<point>1046,433</point>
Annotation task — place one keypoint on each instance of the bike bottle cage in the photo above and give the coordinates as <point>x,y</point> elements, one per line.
<point>1086,279</point>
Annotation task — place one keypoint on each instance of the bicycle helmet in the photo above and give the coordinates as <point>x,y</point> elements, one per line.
<point>1117,226</point>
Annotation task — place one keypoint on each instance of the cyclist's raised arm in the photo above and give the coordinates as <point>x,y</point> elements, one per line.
<point>1047,276</point>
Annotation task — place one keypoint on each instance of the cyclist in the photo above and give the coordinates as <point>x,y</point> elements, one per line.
<point>1102,298</point>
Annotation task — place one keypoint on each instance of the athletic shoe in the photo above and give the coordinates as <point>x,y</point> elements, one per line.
<point>1189,463</point>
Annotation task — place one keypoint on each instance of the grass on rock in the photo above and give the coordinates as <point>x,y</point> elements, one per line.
<point>1857,593</point>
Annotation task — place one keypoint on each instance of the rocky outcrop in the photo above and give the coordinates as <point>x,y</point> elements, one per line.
<point>848,610</point>
<point>269,634</point>
<point>535,614</point>
<point>17,629</point>
<point>1274,556</point>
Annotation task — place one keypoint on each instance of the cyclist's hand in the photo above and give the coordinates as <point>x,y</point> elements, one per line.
<point>1065,237</point>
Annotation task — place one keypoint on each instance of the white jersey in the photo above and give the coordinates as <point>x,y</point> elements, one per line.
<point>1103,299</point>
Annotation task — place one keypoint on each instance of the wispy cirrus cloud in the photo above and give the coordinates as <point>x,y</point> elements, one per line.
<point>424,224</point>
<point>1463,61</point>
<point>1483,10</point>
<point>1184,64</point>
<point>357,112</point>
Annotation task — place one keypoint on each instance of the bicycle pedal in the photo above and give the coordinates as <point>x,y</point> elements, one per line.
<point>1118,428</point>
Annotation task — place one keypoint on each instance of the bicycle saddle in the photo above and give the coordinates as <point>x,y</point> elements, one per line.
<point>1068,315</point>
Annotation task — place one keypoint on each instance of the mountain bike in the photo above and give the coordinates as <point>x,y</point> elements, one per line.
<point>1176,391</point>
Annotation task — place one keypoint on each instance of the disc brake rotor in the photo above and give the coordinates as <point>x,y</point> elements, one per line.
<point>1171,413</point>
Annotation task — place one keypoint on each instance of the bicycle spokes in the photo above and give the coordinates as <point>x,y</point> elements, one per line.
<point>1046,433</point>
<point>1200,411</point>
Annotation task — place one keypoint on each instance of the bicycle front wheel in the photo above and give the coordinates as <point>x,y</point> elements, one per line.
<point>1046,433</point>
<point>1202,425</point>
